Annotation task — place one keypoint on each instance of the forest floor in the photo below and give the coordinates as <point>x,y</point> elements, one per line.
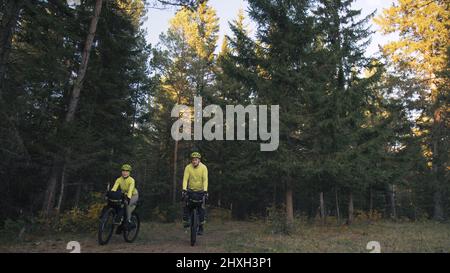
<point>254,236</point>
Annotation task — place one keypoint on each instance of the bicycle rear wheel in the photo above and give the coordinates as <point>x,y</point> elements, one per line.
<point>106,227</point>
<point>194,226</point>
<point>129,235</point>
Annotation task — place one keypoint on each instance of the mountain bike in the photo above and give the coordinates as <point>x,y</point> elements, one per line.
<point>113,217</point>
<point>194,201</point>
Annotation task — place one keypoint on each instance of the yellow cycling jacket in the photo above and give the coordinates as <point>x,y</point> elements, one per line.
<point>195,179</point>
<point>127,185</point>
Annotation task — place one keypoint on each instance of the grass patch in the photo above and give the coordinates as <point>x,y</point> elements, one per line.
<point>254,236</point>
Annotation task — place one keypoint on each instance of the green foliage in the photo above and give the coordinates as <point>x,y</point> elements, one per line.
<point>82,220</point>
<point>345,124</point>
<point>219,214</point>
<point>166,213</point>
<point>368,216</point>
<point>276,221</point>
<point>47,52</point>
<point>12,228</point>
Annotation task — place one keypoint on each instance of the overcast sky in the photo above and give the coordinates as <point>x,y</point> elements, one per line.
<point>158,20</point>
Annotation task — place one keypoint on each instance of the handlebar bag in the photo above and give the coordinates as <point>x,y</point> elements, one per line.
<point>115,196</point>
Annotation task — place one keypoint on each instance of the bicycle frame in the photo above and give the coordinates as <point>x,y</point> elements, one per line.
<point>193,206</point>
<point>116,208</point>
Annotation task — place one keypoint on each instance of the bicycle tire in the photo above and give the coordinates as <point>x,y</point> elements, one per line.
<point>134,218</point>
<point>107,215</point>
<point>194,226</point>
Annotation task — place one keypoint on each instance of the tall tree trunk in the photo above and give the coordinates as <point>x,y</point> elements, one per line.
<point>78,195</point>
<point>59,161</point>
<point>350,209</point>
<point>145,176</point>
<point>338,212</point>
<point>413,203</point>
<point>438,212</point>
<point>61,192</point>
<point>392,205</point>
<point>49,197</point>
<point>322,209</point>
<point>135,110</point>
<point>289,203</point>
<point>219,199</point>
<point>84,63</point>
<point>175,166</point>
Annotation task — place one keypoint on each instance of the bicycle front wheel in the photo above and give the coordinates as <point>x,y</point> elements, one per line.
<point>106,227</point>
<point>194,226</point>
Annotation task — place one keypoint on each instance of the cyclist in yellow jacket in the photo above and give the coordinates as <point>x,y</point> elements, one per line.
<point>195,179</point>
<point>127,185</point>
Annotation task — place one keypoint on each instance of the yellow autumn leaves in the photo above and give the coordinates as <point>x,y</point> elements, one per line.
<point>423,28</point>
<point>198,28</point>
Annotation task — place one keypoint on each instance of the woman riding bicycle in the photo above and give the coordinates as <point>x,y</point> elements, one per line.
<point>127,185</point>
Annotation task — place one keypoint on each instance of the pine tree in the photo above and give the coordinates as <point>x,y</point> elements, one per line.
<point>421,53</point>
<point>275,74</point>
<point>340,101</point>
<point>46,57</point>
<point>188,68</point>
<point>225,158</point>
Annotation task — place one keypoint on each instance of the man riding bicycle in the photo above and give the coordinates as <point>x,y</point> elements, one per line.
<point>195,179</point>
<point>127,185</point>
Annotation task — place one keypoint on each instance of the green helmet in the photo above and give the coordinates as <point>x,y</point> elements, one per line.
<point>126,167</point>
<point>196,155</point>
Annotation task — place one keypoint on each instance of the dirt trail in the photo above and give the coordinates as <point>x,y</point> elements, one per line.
<point>153,238</point>
<point>116,246</point>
